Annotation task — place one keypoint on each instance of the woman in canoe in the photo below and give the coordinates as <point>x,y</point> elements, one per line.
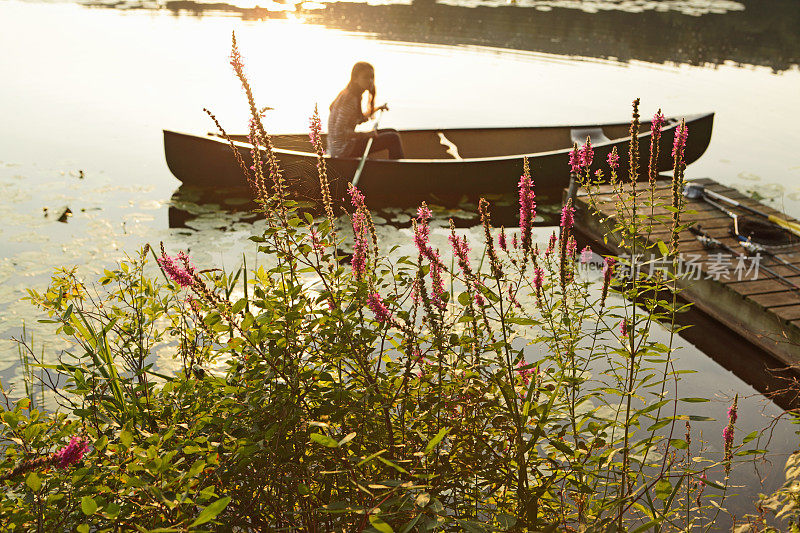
<point>346,114</point>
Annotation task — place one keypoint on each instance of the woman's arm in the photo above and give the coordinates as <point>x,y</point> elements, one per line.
<point>384,107</point>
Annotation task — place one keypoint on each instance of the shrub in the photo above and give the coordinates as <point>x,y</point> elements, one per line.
<point>491,392</point>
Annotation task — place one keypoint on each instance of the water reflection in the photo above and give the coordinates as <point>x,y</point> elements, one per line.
<point>668,32</point>
<point>228,206</point>
<point>764,33</point>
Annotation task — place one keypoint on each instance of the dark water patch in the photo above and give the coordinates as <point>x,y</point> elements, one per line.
<point>762,33</point>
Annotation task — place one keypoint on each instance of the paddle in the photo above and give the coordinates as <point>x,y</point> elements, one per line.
<point>357,175</point>
<point>694,190</point>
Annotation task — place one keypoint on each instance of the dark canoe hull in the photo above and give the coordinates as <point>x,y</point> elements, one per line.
<point>207,161</point>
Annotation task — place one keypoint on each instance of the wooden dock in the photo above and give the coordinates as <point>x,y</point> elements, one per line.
<point>735,291</point>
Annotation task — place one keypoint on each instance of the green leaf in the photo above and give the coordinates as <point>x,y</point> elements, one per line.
<point>436,439</point>
<point>379,524</point>
<point>694,400</point>
<point>238,306</point>
<point>750,452</point>
<point>325,440</point>
<point>663,489</point>
<point>393,465</point>
<point>370,457</point>
<point>347,438</point>
<point>211,512</point>
<point>88,505</point>
<point>649,526</point>
<point>660,424</point>
<point>423,499</point>
<point>410,525</point>
<point>522,321</point>
<point>679,444</point>
<point>83,528</point>
<point>562,447</point>
<point>506,521</point>
<point>662,248</point>
<point>126,438</point>
<point>712,483</point>
<point>33,481</point>
<point>749,437</point>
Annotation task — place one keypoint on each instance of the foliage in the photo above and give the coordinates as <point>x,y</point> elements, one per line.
<point>390,395</point>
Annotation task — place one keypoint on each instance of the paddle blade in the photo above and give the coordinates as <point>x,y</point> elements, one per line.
<point>792,227</point>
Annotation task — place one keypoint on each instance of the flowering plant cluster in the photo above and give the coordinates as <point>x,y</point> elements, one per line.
<point>487,387</point>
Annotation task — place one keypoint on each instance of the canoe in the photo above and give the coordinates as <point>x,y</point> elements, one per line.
<point>438,161</point>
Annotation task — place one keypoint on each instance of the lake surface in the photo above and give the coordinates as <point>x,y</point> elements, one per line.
<point>86,91</point>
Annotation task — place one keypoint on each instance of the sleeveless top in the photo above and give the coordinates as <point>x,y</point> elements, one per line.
<point>345,115</point>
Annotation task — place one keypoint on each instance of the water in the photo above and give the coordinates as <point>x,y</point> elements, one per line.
<point>86,92</point>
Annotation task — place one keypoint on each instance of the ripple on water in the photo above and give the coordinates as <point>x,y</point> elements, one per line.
<point>686,7</point>
<point>36,237</point>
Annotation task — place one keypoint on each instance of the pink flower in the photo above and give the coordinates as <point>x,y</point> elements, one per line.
<point>572,247</point>
<point>461,251</point>
<point>359,260</point>
<point>437,281</point>
<point>551,245</point>
<point>587,154</point>
<point>679,144</point>
<point>608,269</point>
<point>236,58</point>
<point>360,245</point>
<point>613,159</point>
<point>375,302</point>
<point>478,296</point>
<point>586,255</point>
<point>581,158</point>
<point>575,159</point>
<point>727,433</point>
<point>623,328</point>
<point>732,414</point>
<point>315,128</point>
<point>538,278</point>
<point>514,241</point>
<point>71,453</point>
<point>608,273</point>
<point>423,213</point>
<point>179,268</point>
<point>316,243</point>
<point>525,373</point>
<point>527,210</point>
<point>501,240</point>
<point>567,216</point>
<point>422,231</point>
<point>356,197</point>
<point>727,436</point>
<point>415,292</point>
<point>655,126</point>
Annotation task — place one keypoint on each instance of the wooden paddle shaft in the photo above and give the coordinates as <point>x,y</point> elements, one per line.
<point>792,227</point>
<point>361,163</point>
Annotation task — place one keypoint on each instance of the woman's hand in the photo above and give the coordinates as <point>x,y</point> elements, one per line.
<point>384,107</point>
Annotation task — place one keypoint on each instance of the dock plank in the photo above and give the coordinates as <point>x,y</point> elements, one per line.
<point>760,307</point>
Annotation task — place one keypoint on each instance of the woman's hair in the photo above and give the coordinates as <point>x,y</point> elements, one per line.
<point>353,91</point>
